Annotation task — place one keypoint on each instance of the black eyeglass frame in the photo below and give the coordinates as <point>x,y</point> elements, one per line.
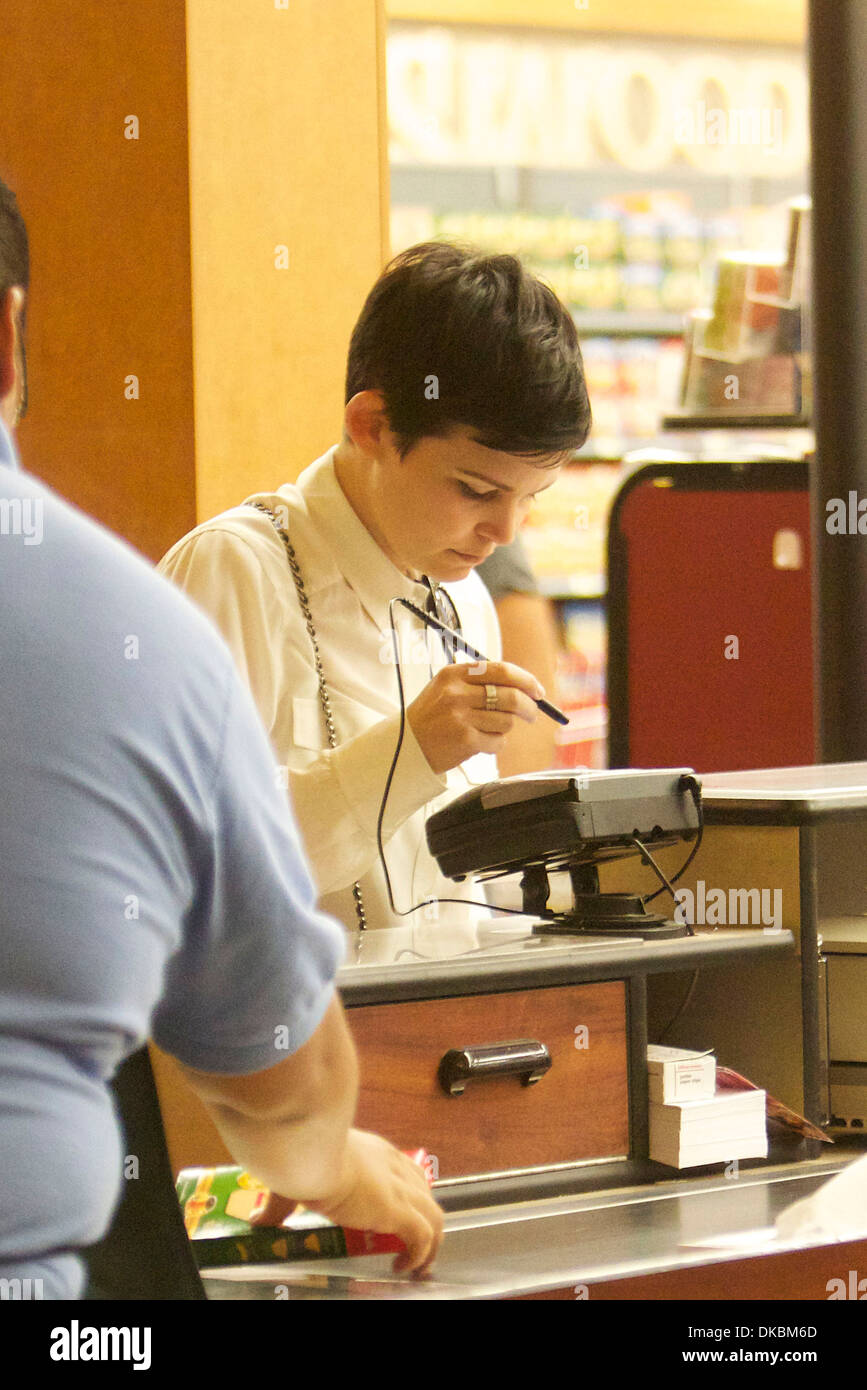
<point>440,604</point>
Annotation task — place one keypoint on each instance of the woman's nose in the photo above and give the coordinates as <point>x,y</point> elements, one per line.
<point>501,525</point>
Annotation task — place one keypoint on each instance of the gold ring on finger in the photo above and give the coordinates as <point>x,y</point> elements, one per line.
<point>490,697</point>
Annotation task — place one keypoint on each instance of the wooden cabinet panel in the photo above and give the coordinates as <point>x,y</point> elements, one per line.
<point>578,1110</point>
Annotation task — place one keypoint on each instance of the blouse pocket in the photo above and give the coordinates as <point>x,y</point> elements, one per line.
<point>308,723</point>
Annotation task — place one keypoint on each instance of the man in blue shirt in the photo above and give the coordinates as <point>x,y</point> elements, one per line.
<point>151,883</point>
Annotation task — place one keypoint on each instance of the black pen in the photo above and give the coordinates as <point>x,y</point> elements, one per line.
<point>454,637</point>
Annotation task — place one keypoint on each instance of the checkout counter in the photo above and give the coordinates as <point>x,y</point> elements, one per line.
<point>540,1142</point>
<point>548,1188</point>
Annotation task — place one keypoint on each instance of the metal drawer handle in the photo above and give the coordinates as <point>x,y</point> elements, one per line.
<point>524,1057</point>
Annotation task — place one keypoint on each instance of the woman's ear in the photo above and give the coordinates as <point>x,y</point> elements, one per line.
<point>366,421</point>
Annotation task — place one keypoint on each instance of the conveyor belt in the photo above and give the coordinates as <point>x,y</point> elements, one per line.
<point>527,1247</point>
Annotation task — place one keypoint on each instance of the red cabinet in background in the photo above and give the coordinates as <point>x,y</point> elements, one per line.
<point>710,656</point>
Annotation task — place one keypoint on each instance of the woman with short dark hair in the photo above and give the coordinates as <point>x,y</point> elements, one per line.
<point>465,393</point>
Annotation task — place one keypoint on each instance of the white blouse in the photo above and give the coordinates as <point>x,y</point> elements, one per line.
<point>236,568</point>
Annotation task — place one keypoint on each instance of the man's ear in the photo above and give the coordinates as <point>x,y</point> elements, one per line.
<point>366,422</point>
<point>11,307</point>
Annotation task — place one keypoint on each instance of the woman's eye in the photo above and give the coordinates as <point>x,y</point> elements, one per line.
<point>468,491</point>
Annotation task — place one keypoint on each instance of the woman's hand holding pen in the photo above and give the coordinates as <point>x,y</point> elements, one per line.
<point>470,708</point>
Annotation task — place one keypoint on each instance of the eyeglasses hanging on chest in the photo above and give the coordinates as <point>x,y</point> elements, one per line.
<point>439,604</point>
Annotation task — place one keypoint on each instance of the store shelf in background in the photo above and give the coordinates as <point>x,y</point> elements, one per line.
<point>733,420</point>
<point>771,21</point>
<point>567,586</point>
<point>622,323</point>
<point>719,441</point>
<point>630,383</point>
<point>630,262</point>
<point>565,532</point>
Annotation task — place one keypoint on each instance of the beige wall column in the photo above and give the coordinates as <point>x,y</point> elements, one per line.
<point>288,201</point>
<point>162,153</point>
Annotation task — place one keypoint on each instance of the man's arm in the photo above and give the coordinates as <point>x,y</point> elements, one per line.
<point>290,1126</point>
<point>249,1009</point>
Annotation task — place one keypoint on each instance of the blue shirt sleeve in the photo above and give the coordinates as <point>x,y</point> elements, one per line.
<point>254,973</point>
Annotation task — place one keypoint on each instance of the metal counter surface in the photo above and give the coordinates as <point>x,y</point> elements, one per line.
<point>528,1247</point>
<point>786,795</point>
<point>396,963</point>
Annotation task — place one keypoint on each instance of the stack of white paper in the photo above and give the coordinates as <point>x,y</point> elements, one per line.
<point>715,1129</point>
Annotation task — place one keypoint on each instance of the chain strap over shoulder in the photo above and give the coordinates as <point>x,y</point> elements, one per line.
<point>324,700</point>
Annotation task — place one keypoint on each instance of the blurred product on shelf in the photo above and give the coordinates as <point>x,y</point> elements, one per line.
<point>643,252</point>
<point>565,531</point>
<point>581,687</point>
<point>750,353</point>
<point>761,385</point>
<point>613,259</point>
<point>746,312</point>
<point>799,267</point>
<point>632,382</point>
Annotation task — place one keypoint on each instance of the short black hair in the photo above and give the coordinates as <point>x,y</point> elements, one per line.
<point>14,254</point>
<point>454,337</point>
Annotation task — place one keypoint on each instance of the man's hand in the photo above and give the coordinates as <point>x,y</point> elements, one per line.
<point>451,718</point>
<point>382,1190</point>
<point>290,1126</point>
